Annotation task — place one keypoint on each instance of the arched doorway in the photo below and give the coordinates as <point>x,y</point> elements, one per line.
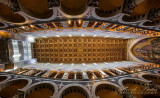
<point>154,78</point>
<point>107,91</point>
<point>41,90</point>
<point>12,86</point>
<point>74,92</point>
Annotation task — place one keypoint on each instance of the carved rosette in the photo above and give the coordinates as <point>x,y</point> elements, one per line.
<point>93,3</point>
<point>19,94</point>
<point>129,6</point>
<point>53,3</point>
<point>14,5</point>
<point>126,93</point>
<point>150,85</point>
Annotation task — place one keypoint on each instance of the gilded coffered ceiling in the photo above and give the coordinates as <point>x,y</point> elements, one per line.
<point>80,49</point>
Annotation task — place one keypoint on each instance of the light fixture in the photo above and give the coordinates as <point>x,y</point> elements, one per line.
<point>105,63</point>
<point>22,27</point>
<point>117,36</point>
<point>61,64</point>
<point>93,77</point>
<point>47,63</point>
<point>15,67</point>
<point>69,35</point>
<point>69,21</point>
<point>82,35</point>
<point>79,21</point>
<point>57,35</point>
<point>44,36</point>
<point>94,35</point>
<point>31,26</point>
<point>95,63</point>
<point>31,39</point>
<point>16,55</point>
<point>139,70</point>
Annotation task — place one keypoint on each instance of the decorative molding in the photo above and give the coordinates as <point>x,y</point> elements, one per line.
<point>141,75</point>
<point>120,19</point>
<point>104,82</point>
<point>153,14</point>
<point>104,18</point>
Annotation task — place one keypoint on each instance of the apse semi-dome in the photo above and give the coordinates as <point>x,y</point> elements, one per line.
<point>147,49</point>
